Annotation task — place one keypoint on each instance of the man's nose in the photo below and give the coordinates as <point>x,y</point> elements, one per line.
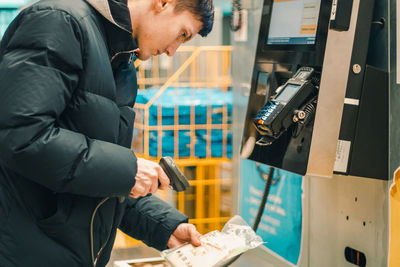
<point>170,51</point>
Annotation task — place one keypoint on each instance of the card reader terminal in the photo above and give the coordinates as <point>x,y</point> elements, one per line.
<point>277,114</point>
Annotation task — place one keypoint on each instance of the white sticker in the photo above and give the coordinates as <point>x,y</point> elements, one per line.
<point>342,156</point>
<point>334,8</point>
<point>352,101</point>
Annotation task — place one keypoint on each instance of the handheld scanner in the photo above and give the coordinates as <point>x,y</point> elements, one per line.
<point>276,115</point>
<point>178,181</point>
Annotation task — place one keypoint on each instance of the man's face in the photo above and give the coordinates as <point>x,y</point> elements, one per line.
<point>165,30</point>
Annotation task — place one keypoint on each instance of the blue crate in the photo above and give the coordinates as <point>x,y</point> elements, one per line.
<point>216,140</point>
<point>184,98</point>
<point>200,139</point>
<point>168,144</point>
<point>203,100</point>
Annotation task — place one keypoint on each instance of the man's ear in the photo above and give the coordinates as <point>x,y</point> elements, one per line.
<point>161,5</point>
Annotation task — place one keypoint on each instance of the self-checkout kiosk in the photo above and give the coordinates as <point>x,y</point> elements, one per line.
<point>318,107</point>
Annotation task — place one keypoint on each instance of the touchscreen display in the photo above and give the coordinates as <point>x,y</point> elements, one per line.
<point>293,22</point>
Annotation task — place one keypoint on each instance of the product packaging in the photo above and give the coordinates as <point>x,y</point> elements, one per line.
<point>218,248</point>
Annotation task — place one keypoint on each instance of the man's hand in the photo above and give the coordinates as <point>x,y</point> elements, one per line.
<point>184,233</point>
<point>148,176</point>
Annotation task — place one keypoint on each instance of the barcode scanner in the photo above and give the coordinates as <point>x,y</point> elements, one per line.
<point>177,179</point>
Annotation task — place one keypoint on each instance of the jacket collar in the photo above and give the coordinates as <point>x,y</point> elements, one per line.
<point>118,26</point>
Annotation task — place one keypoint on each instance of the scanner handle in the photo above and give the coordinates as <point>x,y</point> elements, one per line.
<point>178,181</point>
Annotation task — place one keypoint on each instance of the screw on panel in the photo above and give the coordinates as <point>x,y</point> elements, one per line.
<point>356,69</point>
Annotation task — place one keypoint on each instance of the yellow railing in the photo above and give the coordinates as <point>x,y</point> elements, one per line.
<point>216,74</point>
<point>186,68</point>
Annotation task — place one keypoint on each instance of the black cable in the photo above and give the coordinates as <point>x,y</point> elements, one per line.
<point>262,204</point>
<point>264,198</point>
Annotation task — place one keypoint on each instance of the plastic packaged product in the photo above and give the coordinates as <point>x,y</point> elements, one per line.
<point>217,248</point>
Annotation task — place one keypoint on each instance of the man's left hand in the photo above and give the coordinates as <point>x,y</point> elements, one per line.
<point>184,233</point>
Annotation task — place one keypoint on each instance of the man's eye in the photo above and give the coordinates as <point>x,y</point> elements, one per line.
<point>184,35</point>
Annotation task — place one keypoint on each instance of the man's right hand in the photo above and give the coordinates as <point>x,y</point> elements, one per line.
<point>149,177</point>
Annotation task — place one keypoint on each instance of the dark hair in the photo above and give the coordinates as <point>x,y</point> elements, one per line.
<point>203,10</point>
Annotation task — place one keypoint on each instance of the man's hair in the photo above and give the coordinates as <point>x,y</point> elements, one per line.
<point>203,10</point>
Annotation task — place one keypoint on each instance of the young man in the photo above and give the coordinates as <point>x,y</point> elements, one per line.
<point>68,178</point>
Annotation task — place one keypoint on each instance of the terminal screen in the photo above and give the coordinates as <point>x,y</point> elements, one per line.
<point>293,22</point>
<point>288,92</point>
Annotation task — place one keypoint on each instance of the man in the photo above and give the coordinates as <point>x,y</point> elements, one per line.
<point>68,178</point>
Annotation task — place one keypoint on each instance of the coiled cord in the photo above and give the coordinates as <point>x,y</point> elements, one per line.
<point>309,110</point>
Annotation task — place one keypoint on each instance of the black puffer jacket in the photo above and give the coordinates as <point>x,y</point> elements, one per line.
<point>65,130</point>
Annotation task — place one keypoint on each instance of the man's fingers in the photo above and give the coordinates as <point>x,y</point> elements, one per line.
<point>194,236</point>
<point>151,174</point>
<point>154,186</point>
<point>174,242</point>
<point>137,189</point>
<point>140,189</point>
<point>184,233</point>
<point>163,178</point>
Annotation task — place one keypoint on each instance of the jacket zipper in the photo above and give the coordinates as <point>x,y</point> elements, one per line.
<point>134,52</point>
<point>94,261</point>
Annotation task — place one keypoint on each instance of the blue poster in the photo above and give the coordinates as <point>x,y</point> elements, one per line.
<point>281,224</point>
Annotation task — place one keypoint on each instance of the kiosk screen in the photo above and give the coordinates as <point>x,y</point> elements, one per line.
<point>293,22</point>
